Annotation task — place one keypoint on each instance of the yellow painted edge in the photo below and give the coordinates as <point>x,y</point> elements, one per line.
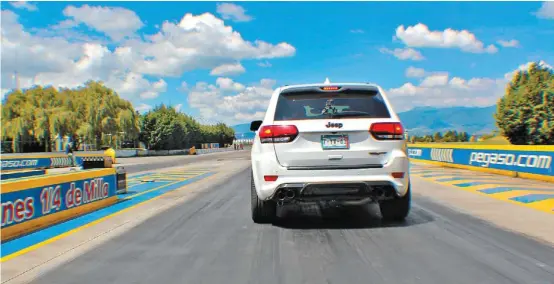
<point>61,236</point>
<point>40,181</point>
<point>22,171</point>
<point>541,207</point>
<point>516,193</point>
<point>8,171</point>
<point>538,148</point>
<point>45,221</point>
<point>489,170</point>
<point>535,176</point>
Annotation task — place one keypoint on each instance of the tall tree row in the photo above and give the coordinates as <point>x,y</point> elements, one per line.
<point>95,114</point>
<point>525,115</point>
<point>163,128</point>
<point>449,136</point>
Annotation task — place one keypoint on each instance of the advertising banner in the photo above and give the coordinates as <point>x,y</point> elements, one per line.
<point>524,161</point>
<point>25,163</point>
<point>45,198</point>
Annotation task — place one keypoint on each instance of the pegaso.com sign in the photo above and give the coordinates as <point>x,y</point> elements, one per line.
<point>10,164</point>
<point>522,160</point>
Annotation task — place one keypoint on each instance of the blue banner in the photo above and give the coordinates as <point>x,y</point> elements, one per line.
<point>28,204</point>
<point>533,162</point>
<point>25,163</point>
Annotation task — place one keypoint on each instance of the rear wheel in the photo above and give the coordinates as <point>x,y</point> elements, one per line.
<point>396,209</point>
<point>262,211</point>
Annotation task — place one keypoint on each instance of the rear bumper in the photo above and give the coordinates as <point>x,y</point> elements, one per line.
<point>368,180</point>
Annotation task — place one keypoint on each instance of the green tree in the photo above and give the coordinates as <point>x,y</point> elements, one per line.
<point>463,137</point>
<point>163,128</point>
<point>437,137</point>
<point>448,136</point>
<point>93,112</point>
<point>525,115</point>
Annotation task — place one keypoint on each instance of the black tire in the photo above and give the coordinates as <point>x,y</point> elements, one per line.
<point>396,209</point>
<point>262,211</point>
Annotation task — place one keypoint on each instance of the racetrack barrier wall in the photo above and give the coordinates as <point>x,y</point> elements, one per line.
<point>22,173</point>
<point>32,203</point>
<point>213,150</point>
<point>533,162</point>
<point>19,162</point>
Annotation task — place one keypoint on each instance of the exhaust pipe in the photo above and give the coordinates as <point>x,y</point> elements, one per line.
<point>281,195</point>
<point>290,194</point>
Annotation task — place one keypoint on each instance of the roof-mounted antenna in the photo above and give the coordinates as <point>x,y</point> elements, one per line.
<point>327,82</point>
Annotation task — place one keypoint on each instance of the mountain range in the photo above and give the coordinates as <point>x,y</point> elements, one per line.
<point>428,120</point>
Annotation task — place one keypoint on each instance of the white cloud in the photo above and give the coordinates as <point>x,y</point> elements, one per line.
<point>115,22</point>
<point>228,70</point>
<point>509,43</point>
<point>65,24</point>
<point>183,87</point>
<point>221,103</point>
<point>143,107</point>
<point>3,93</point>
<point>420,36</point>
<point>524,67</point>
<point>404,53</point>
<point>227,85</point>
<point>233,12</point>
<point>24,5</point>
<point>264,64</point>
<point>178,107</point>
<point>413,72</point>
<point>357,31</point>
<point>154,90</point>
<point>199,42</point>
<point>546,11</point>
<point>160,85</point>
<point>196,42</point>
<point>438,89</point>
<point>435,80</point>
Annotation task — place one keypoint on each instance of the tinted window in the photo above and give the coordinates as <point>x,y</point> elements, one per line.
<point>325,105</point>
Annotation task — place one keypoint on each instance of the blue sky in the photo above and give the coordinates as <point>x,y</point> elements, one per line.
<point>421,53</point>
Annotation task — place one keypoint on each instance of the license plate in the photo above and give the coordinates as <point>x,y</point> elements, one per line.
<point>329,142</point>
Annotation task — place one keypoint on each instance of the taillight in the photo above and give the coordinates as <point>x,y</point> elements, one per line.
<point>278,133</point>
<point>387,131</point>
<point>271,178</point>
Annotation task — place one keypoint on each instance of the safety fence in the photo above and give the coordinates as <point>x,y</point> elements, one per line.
<point>534,162</point>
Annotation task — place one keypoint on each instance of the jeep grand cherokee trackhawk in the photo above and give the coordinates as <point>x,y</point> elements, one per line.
<point>339,143</point>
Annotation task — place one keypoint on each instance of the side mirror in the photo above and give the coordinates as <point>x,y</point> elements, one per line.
<point>255,125</point>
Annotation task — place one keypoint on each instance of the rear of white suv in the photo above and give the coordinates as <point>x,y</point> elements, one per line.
<point>339,143</point>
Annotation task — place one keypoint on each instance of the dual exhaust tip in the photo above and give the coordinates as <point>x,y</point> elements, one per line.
<point>380,193</point>
<point>289,194</point>
<point>286,194</point>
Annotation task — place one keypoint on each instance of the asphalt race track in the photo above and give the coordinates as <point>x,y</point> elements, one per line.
<point>141,164</point>
<point>210,238</point>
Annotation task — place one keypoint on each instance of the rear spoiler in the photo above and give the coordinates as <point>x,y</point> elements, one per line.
<point>330,88</point>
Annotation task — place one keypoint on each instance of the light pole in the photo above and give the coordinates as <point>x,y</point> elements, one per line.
<point>122,134</point>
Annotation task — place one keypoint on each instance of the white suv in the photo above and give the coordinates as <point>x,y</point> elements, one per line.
<point>339,143</point>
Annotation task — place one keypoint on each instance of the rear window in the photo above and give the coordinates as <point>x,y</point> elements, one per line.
<point>325,105</point>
